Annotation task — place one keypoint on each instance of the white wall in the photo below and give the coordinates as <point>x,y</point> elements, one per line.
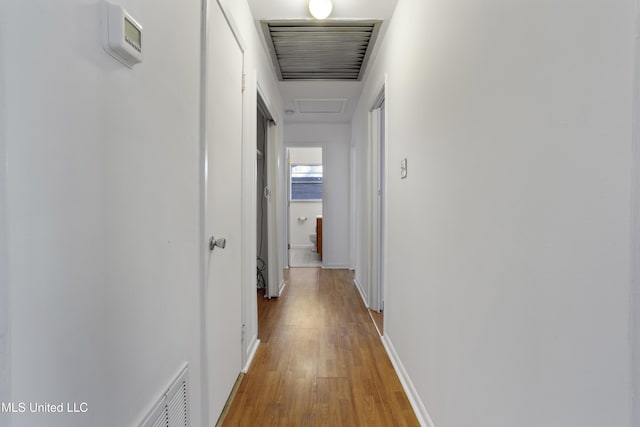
<point>509,246</point>
<point>102,209</point>
<point>335,140</point>
<point>301,229</point>
<point>305,155</point>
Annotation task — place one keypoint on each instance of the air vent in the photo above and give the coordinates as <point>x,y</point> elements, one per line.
<point>327,50</point>
<point>172,410</point>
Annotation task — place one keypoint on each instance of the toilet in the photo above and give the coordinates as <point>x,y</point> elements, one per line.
<point>314,239</point>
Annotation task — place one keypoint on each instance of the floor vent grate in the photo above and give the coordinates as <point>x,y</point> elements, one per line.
<point>172,410</point>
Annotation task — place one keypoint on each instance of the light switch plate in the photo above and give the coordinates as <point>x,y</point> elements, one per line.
<point>403,168</point>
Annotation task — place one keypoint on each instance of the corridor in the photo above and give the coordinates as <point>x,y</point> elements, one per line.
<point>321,361</point>
<point>480,187</point>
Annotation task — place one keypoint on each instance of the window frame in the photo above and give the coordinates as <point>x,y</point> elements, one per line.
<point>291,183</point>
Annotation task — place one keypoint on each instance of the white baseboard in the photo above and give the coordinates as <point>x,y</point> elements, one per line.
<point>252,352</point>
<point>334,267</point>
<point>416,403</point>
<point>303,246</point>
<point>361,291</point>
<point>275,293</point>
<point>171,396</point>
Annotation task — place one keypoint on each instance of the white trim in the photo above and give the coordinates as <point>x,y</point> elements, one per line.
<point>5,292</point>
<point>204,371</point>
<point>283,284</point>
<point>228,16</point>
<point>155,411</point>
<point>362,295</point>
<point>282,209</point>
<point>353,236</point>
<point>335,266</point>
<point>634,291</point>
<point>379,94</point>
<point>271,155</point>
<point>281,257</point>
<point>307,144</point>
<point>374,238</point>
<point>248,214</point>
<point>385,207</point>
<point>375,324</point>
<point>287,186</point>
<point>412,394</point>
<point>362,289</point>
<point>266,102</point>
<point>305,200</point>
<point>309,246</point>
<point>253,348</point>
<point>378,149</point>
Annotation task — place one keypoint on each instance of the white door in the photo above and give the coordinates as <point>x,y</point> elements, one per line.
<point>378,180</point>
<point>381,207</point>
<point>273,281</point>
<point>223,141</point>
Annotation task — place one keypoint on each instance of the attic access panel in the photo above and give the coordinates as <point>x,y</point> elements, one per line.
<point>320,50</point>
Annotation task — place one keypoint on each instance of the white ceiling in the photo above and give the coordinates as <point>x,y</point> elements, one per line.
<point>330,91</point>
<point>294,92</point>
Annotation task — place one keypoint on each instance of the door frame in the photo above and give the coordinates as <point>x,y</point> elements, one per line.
<point>5,338</point>
<point>275,276</point>
<point>634,304</point>
<point>287,187</point>
<point>378,147</point>
<point>203,241</point>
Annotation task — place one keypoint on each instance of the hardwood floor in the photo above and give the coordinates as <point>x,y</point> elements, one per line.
<point>320,361</point>
<point>378,319</point>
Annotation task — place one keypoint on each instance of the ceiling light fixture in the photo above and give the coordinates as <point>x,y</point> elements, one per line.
<point>320,9</point>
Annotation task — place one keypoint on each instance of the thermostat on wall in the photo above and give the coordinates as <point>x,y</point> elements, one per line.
<point>121,35</point>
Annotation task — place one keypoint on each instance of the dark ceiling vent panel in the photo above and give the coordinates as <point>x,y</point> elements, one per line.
<point>320,50</point>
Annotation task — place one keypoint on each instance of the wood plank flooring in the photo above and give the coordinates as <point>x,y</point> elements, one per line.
<point>378,319</point>
<point>320,361</point>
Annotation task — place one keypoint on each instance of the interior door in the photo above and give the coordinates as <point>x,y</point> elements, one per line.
<point>378,180</point>
<point>274,278</point>
<point>381,206</point>
<point>223,189</point>
<point>288,210</point>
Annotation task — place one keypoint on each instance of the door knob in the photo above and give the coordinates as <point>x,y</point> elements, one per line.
<point>221,243</point>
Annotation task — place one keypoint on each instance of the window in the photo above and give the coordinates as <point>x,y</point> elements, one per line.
<point>306,182</point>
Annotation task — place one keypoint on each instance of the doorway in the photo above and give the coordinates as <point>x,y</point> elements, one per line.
<point>305,178</point>
<point>381,204</point>
<point>268,274</point>
<point>378,150</point>
<point>262,195</point>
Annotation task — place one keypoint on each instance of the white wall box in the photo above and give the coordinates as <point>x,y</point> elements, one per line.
<point>121,35</point>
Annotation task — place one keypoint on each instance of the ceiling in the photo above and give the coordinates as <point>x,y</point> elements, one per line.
<point>321,101</point>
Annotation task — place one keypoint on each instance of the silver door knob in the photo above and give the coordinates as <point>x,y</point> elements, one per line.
<point>220,243</point>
